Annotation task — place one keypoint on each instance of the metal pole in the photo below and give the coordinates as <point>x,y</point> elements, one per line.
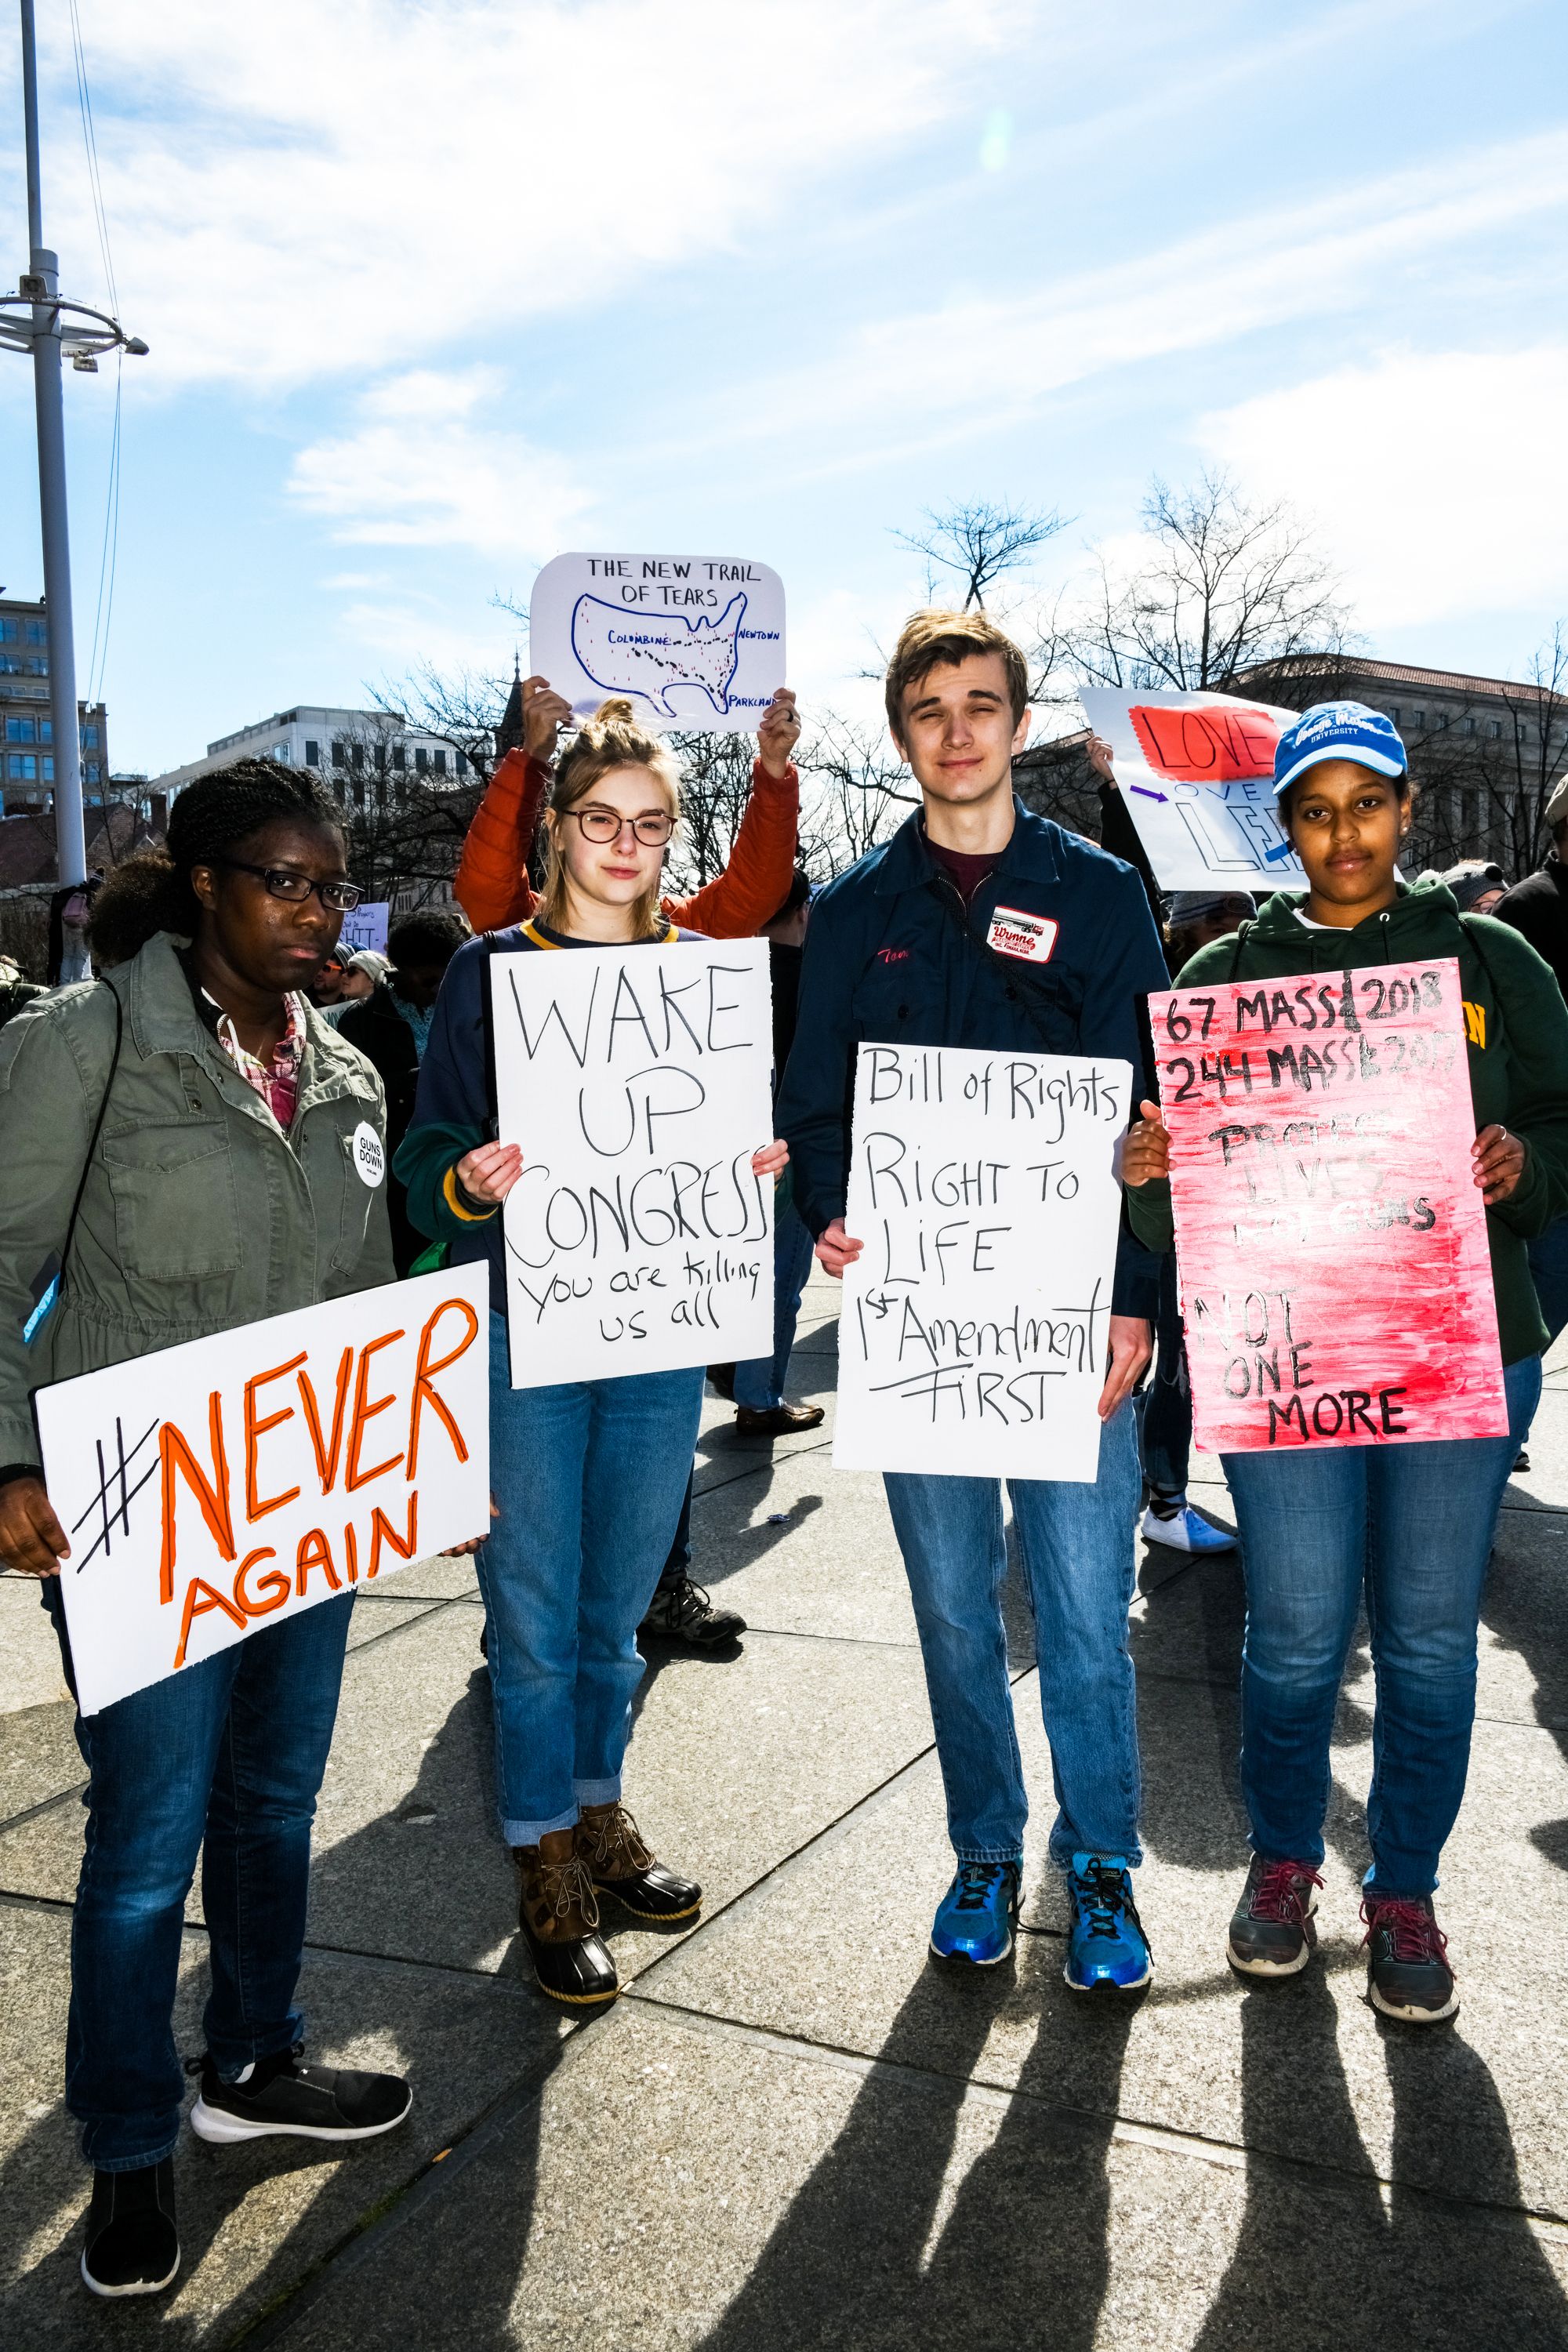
<point>70,832</point>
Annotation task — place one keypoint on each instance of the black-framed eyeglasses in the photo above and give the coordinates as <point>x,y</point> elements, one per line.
<point>341,898</point>
<point>604,825</point>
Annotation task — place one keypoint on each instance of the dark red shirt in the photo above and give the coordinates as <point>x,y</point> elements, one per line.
<point>967,870</point>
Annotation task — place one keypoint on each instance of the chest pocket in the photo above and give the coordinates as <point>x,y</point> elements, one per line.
<point>176,1211</point>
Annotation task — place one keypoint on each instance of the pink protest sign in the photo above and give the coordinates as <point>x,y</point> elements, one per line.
<point>1336,1286</point>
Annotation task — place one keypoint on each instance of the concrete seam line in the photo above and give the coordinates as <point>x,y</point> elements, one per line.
<point>1233,2155</point>
<point>756,1468</point>
<point>31,1812</point>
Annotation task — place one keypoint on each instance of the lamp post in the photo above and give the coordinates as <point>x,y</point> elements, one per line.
<point>37,318</point>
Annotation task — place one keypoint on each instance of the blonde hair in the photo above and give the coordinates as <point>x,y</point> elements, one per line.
<point>934,640</point>
<point>612,739</point>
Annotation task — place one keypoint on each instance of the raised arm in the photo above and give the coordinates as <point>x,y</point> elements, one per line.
<point>492,886</point>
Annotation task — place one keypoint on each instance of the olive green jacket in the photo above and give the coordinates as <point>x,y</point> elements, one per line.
<point>198,1215</point>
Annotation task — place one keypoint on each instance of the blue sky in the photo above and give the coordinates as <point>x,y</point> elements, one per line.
<point>436,291</point>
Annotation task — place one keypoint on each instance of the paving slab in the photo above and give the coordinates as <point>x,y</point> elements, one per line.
<point>832,1568</point>
<point>254,2220</point>
<point>39,1759</point>
<point>675,2188</point>
<point>30,1673</point>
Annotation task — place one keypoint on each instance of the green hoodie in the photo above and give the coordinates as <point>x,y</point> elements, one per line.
<point>1516,1025</point>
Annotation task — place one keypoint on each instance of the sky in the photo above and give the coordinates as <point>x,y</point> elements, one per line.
<point>435,290</point>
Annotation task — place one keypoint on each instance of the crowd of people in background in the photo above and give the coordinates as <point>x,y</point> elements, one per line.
<point>224,1034</point>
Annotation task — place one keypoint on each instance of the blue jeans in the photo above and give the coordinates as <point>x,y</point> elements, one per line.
<point>1412,1526</point>
<point>1077,1548</point>
<point>225,1758</point>
<point>1167,1403</point>
<point>588,1477</point>
<point>759,1383</point>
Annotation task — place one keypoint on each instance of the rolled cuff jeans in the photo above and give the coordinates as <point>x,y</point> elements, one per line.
<point>1076,1545</point>
<point>225,1758</point>
<point>588,1477</point>
<point>1412,1526</point>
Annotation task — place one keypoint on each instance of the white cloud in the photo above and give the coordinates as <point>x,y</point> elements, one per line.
<point>423,468</point>
<point>301,189</point>
<point>1439,479</point>
<point>906,383</point>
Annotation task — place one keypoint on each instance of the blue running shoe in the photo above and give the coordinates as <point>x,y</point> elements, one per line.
<point>974,1923</point>
<point>1105,1944</point>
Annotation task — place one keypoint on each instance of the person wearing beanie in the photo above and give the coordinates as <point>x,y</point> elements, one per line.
<point>1478,885</point>
<point>1410,1525</point>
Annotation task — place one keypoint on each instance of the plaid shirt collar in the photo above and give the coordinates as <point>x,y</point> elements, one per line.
<point>276,1082</point>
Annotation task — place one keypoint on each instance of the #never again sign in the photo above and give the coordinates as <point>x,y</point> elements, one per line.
<point>1196,771</point>
<point>1330,1243</point>
<point>637,1082</point>
<point>975,1322</point>
<point>696,641</point>
<point>220,1485</point>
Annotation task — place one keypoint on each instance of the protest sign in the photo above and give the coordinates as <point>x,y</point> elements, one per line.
<point>1332,1245</point>
<point>637,1082</point>
<point>697,641</point>
<point>1196,771</point>
<point>972,1337</point>
<point>221,1484</point>
<point>366,927</point>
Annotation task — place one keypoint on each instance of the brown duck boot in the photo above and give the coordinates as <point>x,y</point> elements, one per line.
<point>559,1915</point>
<point>620,1864</point>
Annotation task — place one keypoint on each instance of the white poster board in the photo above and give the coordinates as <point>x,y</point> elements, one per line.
<point>697,641</point>
<point>973,1338</point>
<point>637,1082</point>
<point>1196,771</point>
<point>366,927</point>
<point>230,1481</point>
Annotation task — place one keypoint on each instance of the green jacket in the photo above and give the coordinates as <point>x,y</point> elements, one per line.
<point>197,1214</point>
<point>1516,1025</point>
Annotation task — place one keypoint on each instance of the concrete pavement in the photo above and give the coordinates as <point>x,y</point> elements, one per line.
<point>792,2132</point>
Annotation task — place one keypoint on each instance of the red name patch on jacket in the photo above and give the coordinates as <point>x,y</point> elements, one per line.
<point>1029,936</point>
<point>1215,746</point>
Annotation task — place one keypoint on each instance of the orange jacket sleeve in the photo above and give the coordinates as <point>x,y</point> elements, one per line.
<point>492,886</point>
<point>755,883</point>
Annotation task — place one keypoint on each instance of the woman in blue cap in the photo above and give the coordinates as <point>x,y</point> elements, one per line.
<point>1413,1524</point>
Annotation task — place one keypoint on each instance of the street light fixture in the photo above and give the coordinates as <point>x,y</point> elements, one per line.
<point>37,319</point>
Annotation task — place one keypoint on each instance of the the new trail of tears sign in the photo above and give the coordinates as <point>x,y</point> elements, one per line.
<point>975,1322</point>
<point>1196,772</point>
<point>1332,1245</point>
<point>637,1082</point>
<point>697,641</point>
<point>213,1487</point>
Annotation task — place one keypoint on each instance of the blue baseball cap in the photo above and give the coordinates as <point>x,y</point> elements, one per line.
<point>1339,730</point>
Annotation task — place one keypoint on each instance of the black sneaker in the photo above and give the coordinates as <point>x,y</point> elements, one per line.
<point>1520,1460</point>
<point>279,2095</point>
<point>1272,1930</point>
<point>132,2247</point>
<point>682,1612</point>
<point>1408,1975</point>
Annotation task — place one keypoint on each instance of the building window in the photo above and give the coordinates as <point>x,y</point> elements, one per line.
<point>37,633</point>
<point>359,792</point>
<point>1494,727</point>
<point>20,731</point>
<point>46,730</point>
<point>22,768</point>
<point>90,739</point>
<point>1469,726</point>
<point>312,753</point>
<point>380,757</point>
<point>1443,720</point>
<point>94,771</point>
<point>356,753</point>
<point>1418,721</point>
<point>7,632</point>
<point>440,760</point>
<point>49,771</point>
<point>339,755</point>
<point>462,764</point>
<point>422,761</point>
<point>399,758</point>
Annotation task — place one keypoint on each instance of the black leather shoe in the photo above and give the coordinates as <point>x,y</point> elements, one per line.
<point>621,1865</point>
<point>559,1915</point>
<point>132,2245</point>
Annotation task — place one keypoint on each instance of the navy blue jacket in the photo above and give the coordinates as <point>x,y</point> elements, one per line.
<point>887,961</point>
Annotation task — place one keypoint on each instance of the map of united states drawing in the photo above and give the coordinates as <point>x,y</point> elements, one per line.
<point>647,654</point>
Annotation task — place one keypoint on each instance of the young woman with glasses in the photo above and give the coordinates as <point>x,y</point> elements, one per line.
<point>589,1476</point>
<point>207,1113</point>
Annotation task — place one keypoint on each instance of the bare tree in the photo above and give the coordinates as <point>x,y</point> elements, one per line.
<point>715,785</point>
<point>1226,585</point>
<point>461,709</point>
<point>979,543</point>
<point>856,792</point>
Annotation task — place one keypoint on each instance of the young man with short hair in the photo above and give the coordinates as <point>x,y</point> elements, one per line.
<point>897,952</point>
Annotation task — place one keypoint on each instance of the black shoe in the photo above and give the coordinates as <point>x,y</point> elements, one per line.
<point>1521,1459</point>
<point>682,1612</point>
<point>777,1421</point>
<point>722,1381</point>
<point>132,2247</point>
<point>1272,1930</point>
<point>559,1915</point>
<point>620,1864</point>
<point>1407,1974</point>
<point>279,2095</point>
